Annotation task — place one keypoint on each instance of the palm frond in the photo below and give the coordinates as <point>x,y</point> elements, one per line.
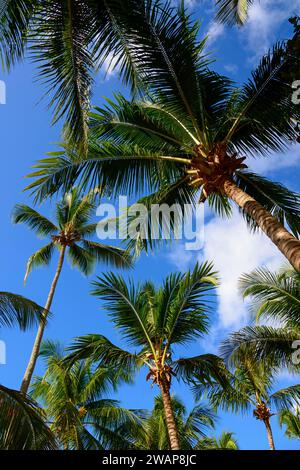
<point>108,254</point>
<point>41,257</point>
<point>274,296</point>
<point>22,423</point>
<point>17,310</point>
<point>37,222</point>
<point>81,258</point>
<point>233,12</point>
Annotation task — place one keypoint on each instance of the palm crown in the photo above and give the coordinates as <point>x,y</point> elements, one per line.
<point>76,402</point>
<point>252,386</point>
<point>71,231</point>
<point>155,321</point>
<point>187,139</point>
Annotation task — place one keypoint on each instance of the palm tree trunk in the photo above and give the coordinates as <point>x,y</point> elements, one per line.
<point>170,420</point>
<point>270,434</point>
<point>285,242</point>
<point>39,336</point>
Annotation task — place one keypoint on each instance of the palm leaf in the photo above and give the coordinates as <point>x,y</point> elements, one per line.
<point>22,423</point>
<point>17,310</point>
<point>41,225</point>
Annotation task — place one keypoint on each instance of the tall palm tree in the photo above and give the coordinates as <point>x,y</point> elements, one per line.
<point>188,139</point>
<point>77,406</point>
<point>226,441</point>
<point>191,426</point>
<point>22,423</point>
<point>275,297</point>
<point>156,321</point>
<point>252,387</point>
<point>69,234</point>
<point>69,40</point>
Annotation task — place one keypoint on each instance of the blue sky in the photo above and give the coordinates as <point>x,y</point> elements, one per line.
<point>26,135</point>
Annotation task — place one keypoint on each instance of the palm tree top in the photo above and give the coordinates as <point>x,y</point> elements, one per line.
<point>78,405</point>
<point>72,230</point>
<point>189,132</point>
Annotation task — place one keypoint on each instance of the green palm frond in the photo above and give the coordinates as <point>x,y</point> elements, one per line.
<point>108,254</point>
<point>292,422</point>
<point>204,369</point>
<point>41,257</point>
<point>187,314</point>
<point>268,344</point>
<point>81,258</point>
<point>100,349</point>
<point>75,398</point>
<point>263,118</point>
<point>233,12</point>
<point>35,221</point>
<point>22,423</point>
<point>14,21</point>
<point>274,296</point>
<point>126,308</point>
<point>287,398</point>
<point>60,45</point>
<point>225,442</point>
<point>17,310</point>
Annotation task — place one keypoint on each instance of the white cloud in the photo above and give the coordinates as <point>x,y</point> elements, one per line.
<point>214,32</point>
<point>277,161</point>
<point>264,20</point>
<point>231,68</point>
<point>235,251</point>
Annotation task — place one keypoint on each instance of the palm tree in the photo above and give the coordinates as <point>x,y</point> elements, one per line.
<point>69,234</point>
<point>233,11</point>
<point>225,442</point>
<point>189,137</point>
<point>252,386</point>
<point>191,426</point>
<point>275,297</point>
<point>78,409</point>
<point>156,321</point>
<point>69,40</point>
<point>22,424</point>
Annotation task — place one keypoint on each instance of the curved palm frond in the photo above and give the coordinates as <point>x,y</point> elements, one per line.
<point>35,221</point>
<point>233,12</point>
<point>22,423</point>
<point>276,346</point>
<point>108,254</point>
<point>274,296</point>
<point>41,257</point>
<point>17,310</point>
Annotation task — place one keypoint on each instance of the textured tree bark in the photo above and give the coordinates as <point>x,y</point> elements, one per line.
<point>270,434</point>
<point>39,336</point>
<point>170,420</point>
<point>285,242</point>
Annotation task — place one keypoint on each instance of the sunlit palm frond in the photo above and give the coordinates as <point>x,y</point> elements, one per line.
<point>233,12</point>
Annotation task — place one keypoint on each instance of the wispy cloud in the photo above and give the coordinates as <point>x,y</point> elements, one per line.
<point>264,21</point>
<point>214,32</point>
